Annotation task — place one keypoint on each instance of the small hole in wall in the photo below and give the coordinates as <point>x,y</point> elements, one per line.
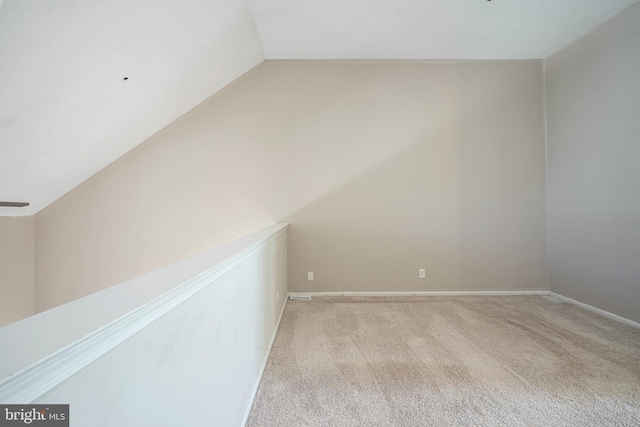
<point>126,78</point>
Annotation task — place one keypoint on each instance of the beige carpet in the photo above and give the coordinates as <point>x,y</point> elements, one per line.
<point>448,361</point>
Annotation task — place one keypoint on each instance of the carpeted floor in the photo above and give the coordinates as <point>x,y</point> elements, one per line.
<point>448,361</point>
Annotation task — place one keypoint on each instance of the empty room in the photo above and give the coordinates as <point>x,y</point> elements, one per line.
<point>243,213</point>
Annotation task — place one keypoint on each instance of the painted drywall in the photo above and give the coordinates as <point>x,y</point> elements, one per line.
<point>197,364</point>
<point>17,287</point>
<point>66,110</point>
<point>435,166</point>
<point>381,168</point>
<point>593,116</point>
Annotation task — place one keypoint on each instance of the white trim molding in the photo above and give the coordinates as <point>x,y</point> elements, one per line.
<point>599,311</point>
<point>34,380</point>
<point>416,293</point>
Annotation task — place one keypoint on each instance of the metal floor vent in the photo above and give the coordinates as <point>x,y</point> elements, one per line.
<point>550,298</point>
<point>300,297</point>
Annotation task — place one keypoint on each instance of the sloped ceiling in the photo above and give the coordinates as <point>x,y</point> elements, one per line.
<point>66,110</point>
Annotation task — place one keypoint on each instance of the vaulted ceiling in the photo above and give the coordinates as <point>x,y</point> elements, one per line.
<point>83,82</point>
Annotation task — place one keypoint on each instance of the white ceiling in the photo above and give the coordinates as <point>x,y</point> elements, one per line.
<point>66,111</point>
<point>424,29</point>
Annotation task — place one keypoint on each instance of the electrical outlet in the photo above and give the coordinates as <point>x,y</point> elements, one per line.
<point>310,276</point>
<point>422,273</point>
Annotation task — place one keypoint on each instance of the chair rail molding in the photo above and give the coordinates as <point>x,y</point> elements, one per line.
<point>31,382</point>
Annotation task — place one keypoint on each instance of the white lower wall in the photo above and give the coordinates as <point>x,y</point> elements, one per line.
<point>196,365</point>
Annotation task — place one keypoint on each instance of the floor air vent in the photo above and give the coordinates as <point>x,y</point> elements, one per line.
<point>300,297</point>
<point>550,298</point>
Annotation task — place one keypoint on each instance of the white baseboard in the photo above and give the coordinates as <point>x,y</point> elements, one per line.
<point>264,365</point>
<point>417,293</point>
<point>597,310</point>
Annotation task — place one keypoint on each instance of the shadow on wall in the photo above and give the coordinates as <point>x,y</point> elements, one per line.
<point>464,199</point>
<point>396,166</point>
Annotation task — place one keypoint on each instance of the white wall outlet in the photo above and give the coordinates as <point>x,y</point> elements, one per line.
<point>310,276</point>
<point>422,273</point>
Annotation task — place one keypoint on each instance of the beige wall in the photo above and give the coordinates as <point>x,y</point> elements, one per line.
<point>381,168</point>
<point>593,110</point>
<point>17,297</point>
